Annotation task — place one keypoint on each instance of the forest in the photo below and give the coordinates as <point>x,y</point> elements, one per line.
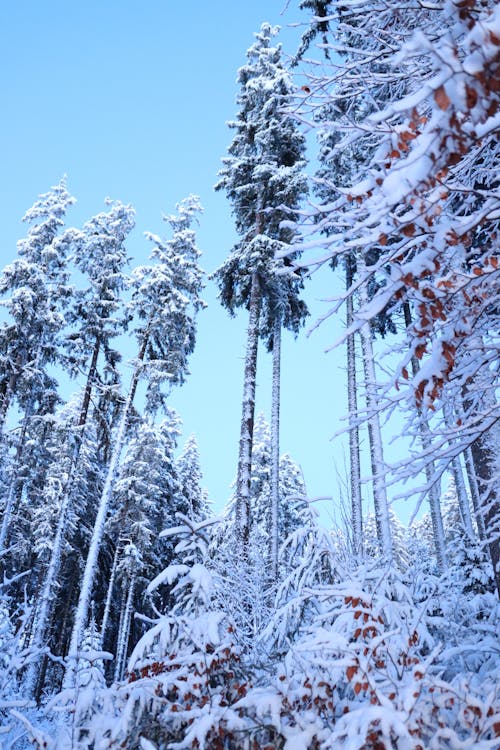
<point>131,614</point>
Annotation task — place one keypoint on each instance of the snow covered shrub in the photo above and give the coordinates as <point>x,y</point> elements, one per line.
<point>243,586</point>
<point>14,658</point>
<point>313,560</point>
<point>184,675</point>
<point>366,675</point>
<point>74,709</point>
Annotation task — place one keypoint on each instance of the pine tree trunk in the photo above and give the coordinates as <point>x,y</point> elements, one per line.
<point>124,629</point>
<point>247,418</point>
<point>434,494</point>
<point>82,611</point>
<point>474,493</point>
<point>109,595</point>
<point>46,599</point>
<point>275,451</point>
<point>352,404</point>
<point>485,463</point>
<point>456,467</point>
<point>84,410</point>
<point>380,502</point>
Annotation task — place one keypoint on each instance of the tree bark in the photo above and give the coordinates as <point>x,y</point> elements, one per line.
<point>474,492</point>
<point>485,459</point>
<point>124,628</point>
<point>109,594</point>
<point>456,468</point>
<point>247,418</point>
<point>352,405</point>
<point>380,502</point>
<point>275,451</point>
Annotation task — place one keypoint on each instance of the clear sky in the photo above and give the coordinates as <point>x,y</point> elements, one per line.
<point>130,100</point>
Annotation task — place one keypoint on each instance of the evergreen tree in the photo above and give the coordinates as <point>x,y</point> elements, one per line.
<point>166,300</point>
<point>189,477</point>
<point>97,311</point>
<point>146,498</point>
<point>36,291</point>
<point>261,175</point>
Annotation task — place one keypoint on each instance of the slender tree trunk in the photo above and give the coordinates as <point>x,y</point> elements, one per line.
<point>485,464</point>
<point>275,450</point>
<point>381,505</point>
<point>247,418</point>
<point>87,394</point>
<point>109,595</point>
<point>124,629</point>
<point>456,468</point>
<point>474,492</point>
<point>46,598</point>
<point>434,493</point>
<point>352,404</point>
<point>82,611</point>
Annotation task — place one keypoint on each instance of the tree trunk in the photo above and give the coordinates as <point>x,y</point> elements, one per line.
<point>434,493</point>
<point>275,451</point>
<point>82,611</point>
<point>124,629</point>
<point>485,461</point>
<point>380,502</point>
<point>456,468</point>
<point>109,595</point>
<point>84,410</point>
<point>474,493</point>
<point>352,404</point>
<point>247,418</point>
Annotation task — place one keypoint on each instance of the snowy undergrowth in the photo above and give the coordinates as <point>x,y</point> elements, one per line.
<point>358,658</point>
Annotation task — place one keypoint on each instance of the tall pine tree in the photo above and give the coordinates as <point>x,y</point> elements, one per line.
<point>262,174</point>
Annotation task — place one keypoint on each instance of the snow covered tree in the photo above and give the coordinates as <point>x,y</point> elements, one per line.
<point>145,500</point>
<point>427,204</point>
<point>36,291</point>
<point>166,299</point>
<point>262,175</point>
<point>100,255</point>
<point>97,311</point>
<point>186,663</point>
<point>291,492</point>
<point>35,287</point>
<point>189,477</point>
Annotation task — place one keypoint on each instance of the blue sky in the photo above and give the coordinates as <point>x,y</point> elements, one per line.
<point>130,100</point>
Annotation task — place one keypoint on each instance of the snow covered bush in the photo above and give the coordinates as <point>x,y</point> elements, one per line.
<point>366,675</point>
<point>184,674</point>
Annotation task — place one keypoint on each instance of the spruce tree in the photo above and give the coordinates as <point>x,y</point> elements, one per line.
<point>166,299</point>
<point>36,291</point>
<point>262,175</point>
<point>189,477</point>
